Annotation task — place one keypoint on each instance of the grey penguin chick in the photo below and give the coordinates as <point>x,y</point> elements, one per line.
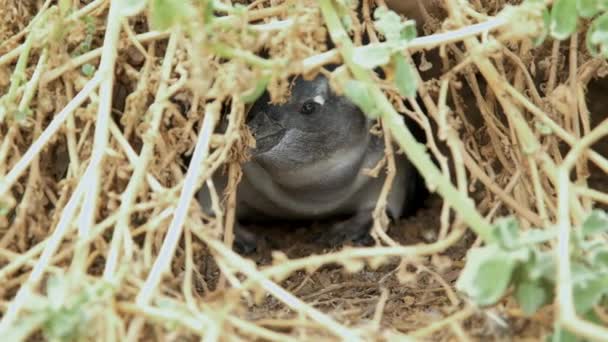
<point>309,162</point>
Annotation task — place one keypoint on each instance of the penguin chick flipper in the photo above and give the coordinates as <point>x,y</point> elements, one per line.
<point>355,229</point>
<point>245,241</point>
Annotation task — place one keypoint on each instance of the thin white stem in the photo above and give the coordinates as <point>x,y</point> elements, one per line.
<point>196,169</point>
<point>102,125</point>
<point>32,85</point>
<point>565,309</point>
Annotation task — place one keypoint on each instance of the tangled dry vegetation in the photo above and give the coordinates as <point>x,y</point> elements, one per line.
<point>100,237</point>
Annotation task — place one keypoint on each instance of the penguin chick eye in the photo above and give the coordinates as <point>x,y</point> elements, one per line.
<point>309,107</point>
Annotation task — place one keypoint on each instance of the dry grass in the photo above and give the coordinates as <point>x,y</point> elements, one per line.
<point>99,235</point>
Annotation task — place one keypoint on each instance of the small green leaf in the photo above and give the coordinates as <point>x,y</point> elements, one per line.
<point>587,8</point>
<point>347,21</point>
<point>406,79</point>
<point>582,274</point>
<point>359,93</point>
<point>89,21</point>
<point>408,32</point>
<point>597,36</point>
<point>390,25</point>
<point>545,32</point>
<point>506,232</point>
<point>56,292</point>
<point>531,296</point>
<point>372,55</point>
<point>534,4</point>
<point>166,13</point>
<point>65,7</point>
<point>589,294</point>
<point>208,10</point>
<point>535,236</point>
<point>132,7</point>
<point>526,2</point>
<point>598,257</point>
<point>344,13</point>
<point>540,265</point>
<point>347,3</point>
<point>65,324</point>
<point>88,69</point>
<point>21,115</point>
<point>487,273</point>
<point>563,18</point>
<point>595,223</point>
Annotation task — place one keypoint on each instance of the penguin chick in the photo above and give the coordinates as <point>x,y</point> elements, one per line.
<point>308,164</point>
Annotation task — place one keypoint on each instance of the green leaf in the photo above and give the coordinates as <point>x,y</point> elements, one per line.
<point>166,13</point>
<point>391,26</point>
<point>531,296</point>
<point>130,8</point>
<point>56,292</point>
<point>359,93</point>
<point>88,69</point>
<point>344,10</point>
<point>408,32</point>
<point>563,18</point>
<point>598,257</point>
<point>589,294</point>
<point>372,55</point>
<point>65,324</point>
<point>545,32</point>
<point>587,8</point>
<point>561,335</point>
<point>487,273</point>
<point>538,5</point>
<point>21,115</point>
<point>406,79</point>
<point>65,7</point>
<point>595,223</point>
<point>540,265</point>
<point>536,236</point>
<point>597,36</point>
<point>347,3</point>
<point>506,232</point>
<point>582,274</point>
<point>208,10</point>
<point>347,21</point>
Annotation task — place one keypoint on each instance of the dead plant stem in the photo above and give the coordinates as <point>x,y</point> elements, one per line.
<point>93,174</point>
<point>47,134</point>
